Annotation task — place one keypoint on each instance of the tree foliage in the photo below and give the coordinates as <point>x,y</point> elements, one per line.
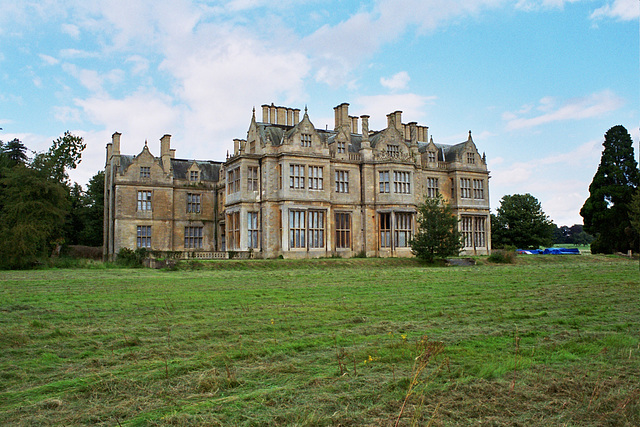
<point>606,211</point>
<point>574,235</point>
<point>521,222</point>
<point>36,200</point>
<point>438,235</point>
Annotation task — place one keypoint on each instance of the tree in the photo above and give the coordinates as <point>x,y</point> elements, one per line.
<point>93,215</point>
<point>65,153</point>
<point>15,152</point>
<point>31,218</point>
<point>438,235</point>
<point>606,211</point>
<point>520,222</point>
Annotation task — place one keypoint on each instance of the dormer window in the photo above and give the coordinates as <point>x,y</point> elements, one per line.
<point>393,150</point>
<point>471,158</point>
<point>342,147</point>
<point>194,175</point>
<point>145,172</point>
<point>305,140</point>
<point>431,155</point>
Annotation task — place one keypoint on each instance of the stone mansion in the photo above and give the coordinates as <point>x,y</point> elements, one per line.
<point>294,190</point>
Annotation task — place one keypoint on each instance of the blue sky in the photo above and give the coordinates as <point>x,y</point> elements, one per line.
<point>538,82</point>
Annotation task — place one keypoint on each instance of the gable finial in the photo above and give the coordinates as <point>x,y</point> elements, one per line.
<point>145,143</point>
<point>470,136</point>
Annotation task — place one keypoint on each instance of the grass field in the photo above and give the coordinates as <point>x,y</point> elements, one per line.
<point>550,340</point>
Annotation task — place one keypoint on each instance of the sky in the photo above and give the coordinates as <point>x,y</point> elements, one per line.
<point>537,82</point>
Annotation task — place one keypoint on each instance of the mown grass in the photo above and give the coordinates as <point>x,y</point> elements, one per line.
<point>550,340</point>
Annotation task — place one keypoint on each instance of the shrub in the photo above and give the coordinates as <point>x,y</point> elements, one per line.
<point>130,258</point>
<point>503,256</point>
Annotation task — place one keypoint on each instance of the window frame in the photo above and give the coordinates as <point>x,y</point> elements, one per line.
<point>433,188</point>
<point>193,237</point>
<point>252,178</point>
<point>296,176</point>
<point>194,203</point>
<point>143,236</point>
<point>144,201</point>
<point>343,230</point>
<point>233,180</point>
<point>342,181</point>
<point>402,182</point>
<point>403,229</point>
<point>384,181</point>
<point>465,188</point>
<point>145,172</point>
<point>316,177</point>
<point>253,230</point>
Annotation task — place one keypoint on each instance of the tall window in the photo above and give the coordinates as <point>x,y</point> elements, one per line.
<point>296,176</point>
<point>342,181</point>
<point>315,178</point>
<point>385,230</point>
<point>479,232</point>
<point>144,236</point>
<point>403,229</point>
<point>193,237</point>
<point>432,187</point>
<point>252,229</point>
<point>305,140</point>
<point>252,178</point>
<point>194,175</point>
<point>343,230</point>
<point>144,200</point>
<point>383,179</point>
<point>342,147</point>
<point>467,231</point>
<point>316,229</point>
<point>233,180</point>
<point>465,188</point>
<point>193,203</point>
<point>233,225</point>
<point>297,229</point>
<point>145,172</point>
<point>471,158</point>
<point>402,182</point>
<point>393,150</point>
<point>478,189</point>
<point>431,156</point>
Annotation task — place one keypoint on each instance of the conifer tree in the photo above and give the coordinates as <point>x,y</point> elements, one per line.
<point>438,235</point>
<point>606,211</point>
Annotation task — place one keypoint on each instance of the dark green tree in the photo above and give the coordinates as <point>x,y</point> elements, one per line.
<point>15,152</point>
<point>606,211</point>
<point>93,216</point>
<point>32,216</point>
<point>65,153</point>
<point>521,222</point>
<point>438,235</point>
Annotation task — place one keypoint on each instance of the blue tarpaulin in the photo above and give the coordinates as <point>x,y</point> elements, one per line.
<point>550,251</point>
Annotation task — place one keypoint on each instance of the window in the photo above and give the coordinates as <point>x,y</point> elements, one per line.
<point>431,156</point>
<point>393,150</point>
<point>233,226</point>
<point>432,187</point>
<point>471,158</point>
<point>316,229</point>
<point>402,182</point>
<point>194,175</point>
<point>296,176</point>
<point>465,188</point>
<point>384,181</point>
<point>342,147</point>
<point>193,203</point>
<point>315,178</point>
<point>233,180</point>
<point>280,177</point>
<point>467,231</point>
<point>252,178</point>
<point>252,229</point>
<point>297,229</point>
<point>193,237</point>
<point>403,229</point>
<point>145,172</point>
<point>305,140</point>
<point>144,236</point>
<point>342,181</point>
<point>144,200</point>
<point>343,230</point>
<point>479,232</point>
<point>385,230</point>
<point>478,189</point>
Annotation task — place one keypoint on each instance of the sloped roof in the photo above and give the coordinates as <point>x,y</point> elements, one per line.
<point>209,170</point>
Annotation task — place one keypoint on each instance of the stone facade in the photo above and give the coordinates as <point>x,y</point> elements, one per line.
<point>294,190</point>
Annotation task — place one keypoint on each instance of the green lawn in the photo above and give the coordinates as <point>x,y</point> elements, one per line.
<point>551,340</point>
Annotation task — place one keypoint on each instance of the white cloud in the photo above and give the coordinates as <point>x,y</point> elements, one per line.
<point>589,106</point>
<point>530,5</point>
<point>49,60</point>
<point>559,181</point>
<point>71,30</point>
<point>377,106</point>
<point>623,10</point>
<point>397,81</point>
